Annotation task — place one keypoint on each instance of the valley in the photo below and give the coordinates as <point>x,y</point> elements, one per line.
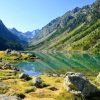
<point>60,61</point>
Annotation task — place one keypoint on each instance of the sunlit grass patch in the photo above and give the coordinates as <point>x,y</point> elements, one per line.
<point>4,90</point>
<point>64,96</point>
<point>2,54</point>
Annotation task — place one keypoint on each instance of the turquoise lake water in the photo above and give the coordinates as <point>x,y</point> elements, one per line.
<point>61,63</point>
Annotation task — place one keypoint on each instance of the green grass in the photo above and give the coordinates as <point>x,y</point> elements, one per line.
<point>88,41</point>
<point>81,38</point>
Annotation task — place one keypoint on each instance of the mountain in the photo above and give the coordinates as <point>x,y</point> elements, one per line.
<point>18,34</point>
<point>78,29</point>
<point>30,35</point>
<point>26,36</point>
<point>8,40</point>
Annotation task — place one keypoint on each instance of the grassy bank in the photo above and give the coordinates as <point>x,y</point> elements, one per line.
<point>54,90</point>
<point>11,84</point>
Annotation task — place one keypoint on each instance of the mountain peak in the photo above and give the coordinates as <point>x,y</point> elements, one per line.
<point>1,22</point>
<point>14,28</point>
<point>76,9</point>
<point>72,31</point>
<point>7,39</point>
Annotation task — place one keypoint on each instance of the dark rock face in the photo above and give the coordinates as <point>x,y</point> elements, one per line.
<point>15,69</point>
<point>77,84</point>
<point>94,96</point>
<point>4,97</point>
<point>24,76</point>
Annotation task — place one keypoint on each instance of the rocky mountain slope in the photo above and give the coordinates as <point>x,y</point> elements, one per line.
<point>78,29</point>
<point>26,36</point>
<point>9,40</point>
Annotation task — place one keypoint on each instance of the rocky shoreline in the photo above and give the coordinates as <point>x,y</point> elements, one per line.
<point>16,85</point>
<point>75,83</point>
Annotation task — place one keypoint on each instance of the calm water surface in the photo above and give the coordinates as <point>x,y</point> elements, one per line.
<point>61,63</point>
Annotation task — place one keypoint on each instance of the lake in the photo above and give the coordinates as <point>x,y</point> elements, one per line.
<point>61,63</point>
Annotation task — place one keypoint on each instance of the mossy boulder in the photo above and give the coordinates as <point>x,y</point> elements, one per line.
<point>78,84</point>
<point>24,76</point>
<point>38,82</point>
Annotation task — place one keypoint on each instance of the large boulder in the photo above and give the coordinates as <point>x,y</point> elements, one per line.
<point>38,82</point>
<point>77,84</point>
<point>4,97</point>
<point>53,75</point>
<point>98,78</point>
<point>8,51</point>
<point>15,53</point>
<point>31,56</point>
<point>24,76</point>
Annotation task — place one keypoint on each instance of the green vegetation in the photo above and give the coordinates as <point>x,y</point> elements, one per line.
<point>76,30</point>
<point>15,56</point>
<point>27,90</point>
<point>8,40</point>
<point>51,87</point>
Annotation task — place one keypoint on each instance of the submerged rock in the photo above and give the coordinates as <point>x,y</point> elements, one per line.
<point>4,97</point>
<point>77,84</point>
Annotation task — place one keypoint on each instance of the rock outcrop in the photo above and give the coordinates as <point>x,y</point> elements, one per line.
<point>77,84</point>
<point>4,65</point>
<point>38,82</point>
<point>4,97</point>
<point>8,51</point>
<point>24,76</point>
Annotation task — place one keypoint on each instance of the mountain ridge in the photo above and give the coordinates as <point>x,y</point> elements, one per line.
<point>71,20</point>
<point>8,40</point>
<point>26,36</point>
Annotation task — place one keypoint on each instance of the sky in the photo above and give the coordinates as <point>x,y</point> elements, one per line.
<point>28,15</point>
